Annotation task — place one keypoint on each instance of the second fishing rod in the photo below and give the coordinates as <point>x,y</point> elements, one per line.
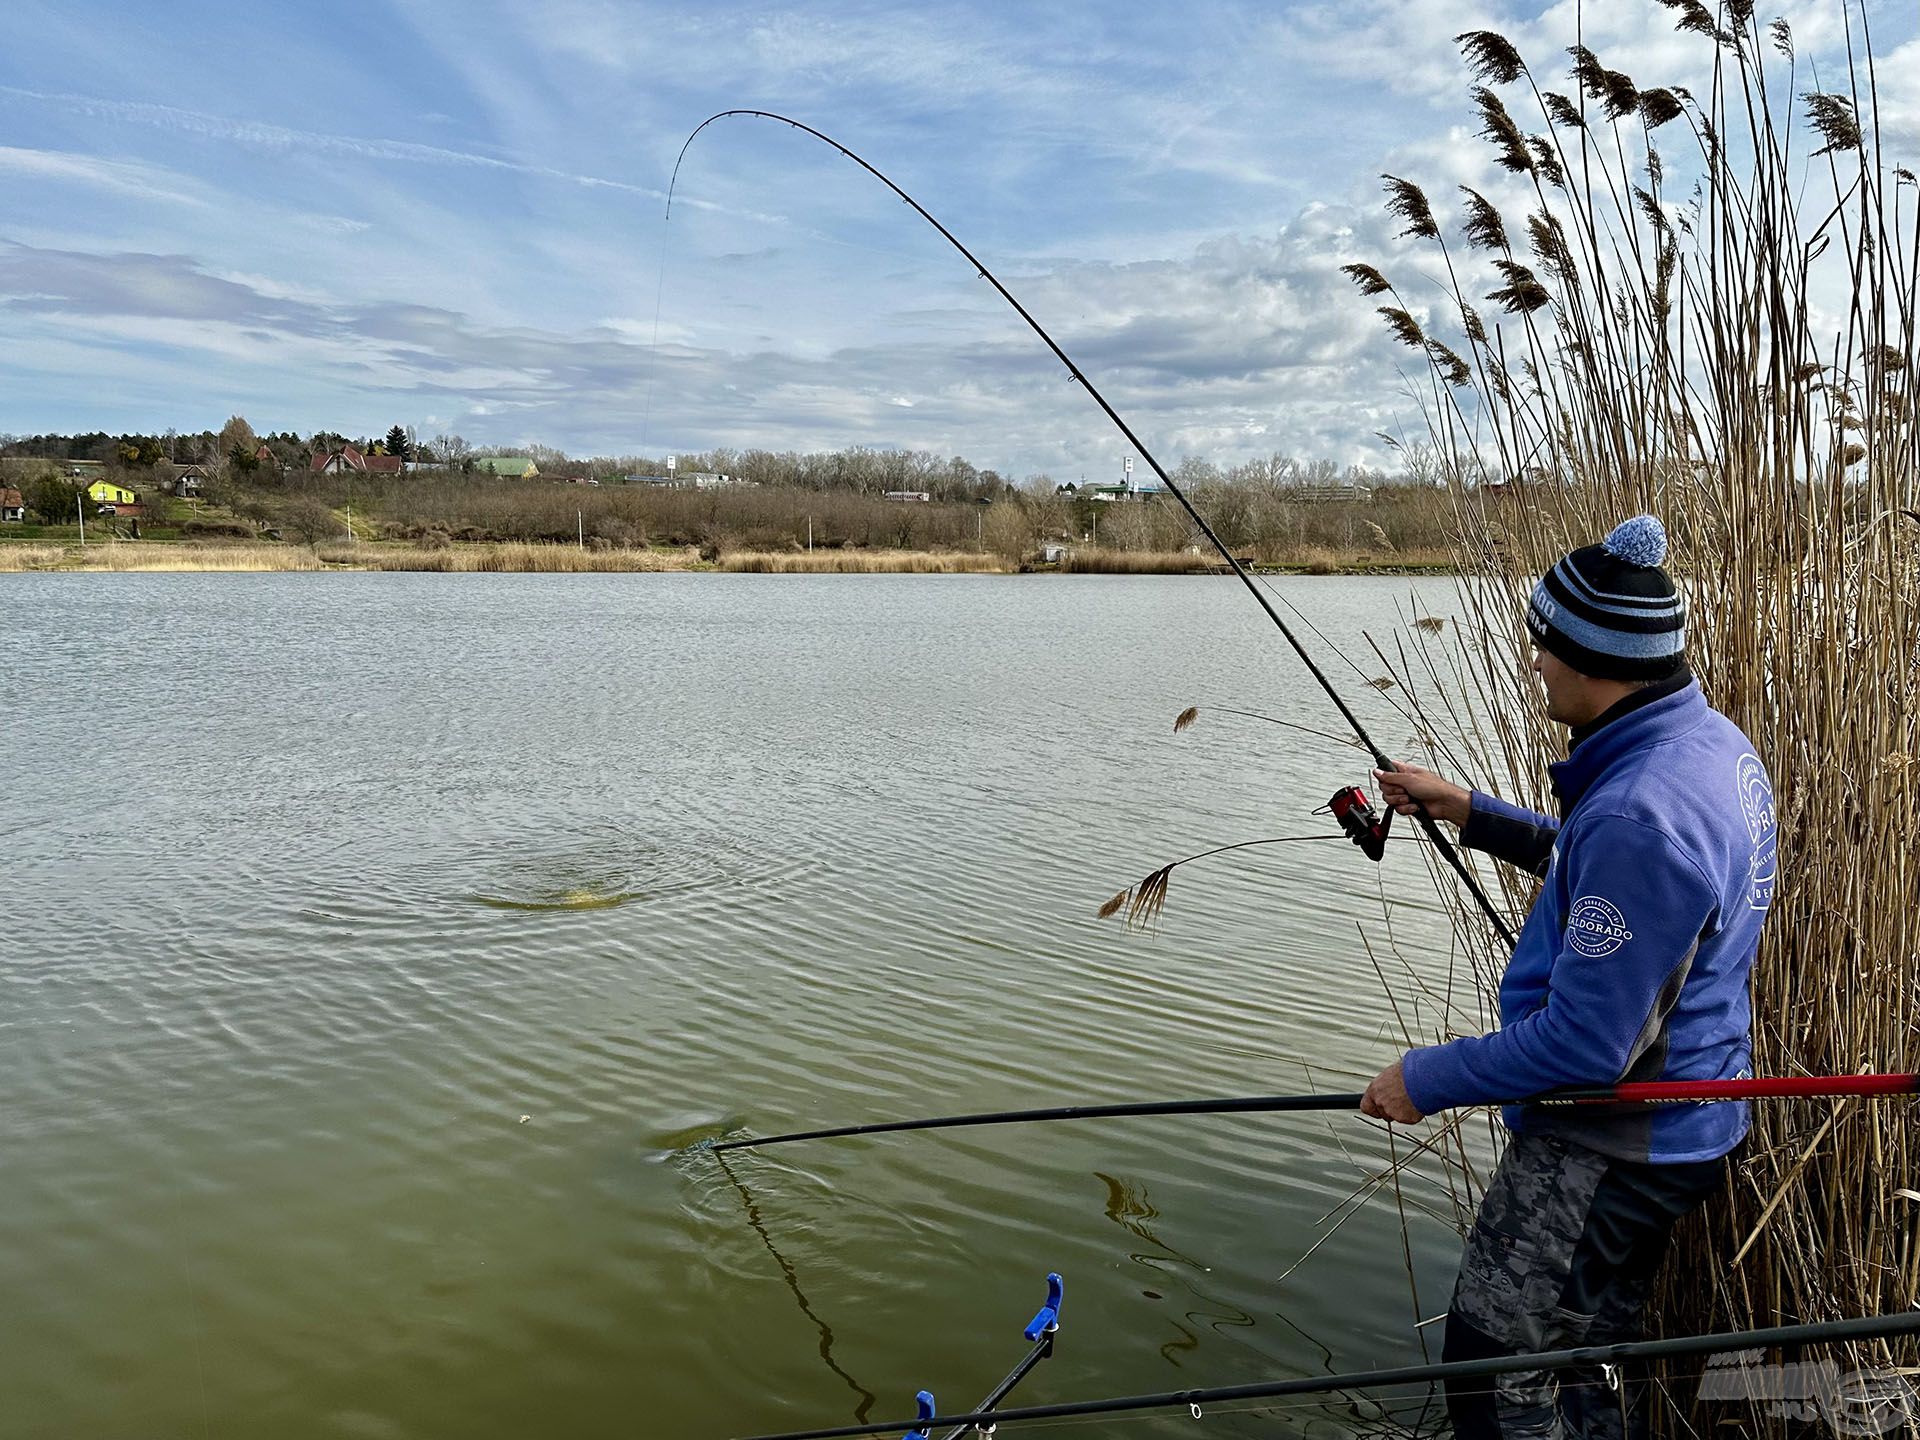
<point>1441,844</point>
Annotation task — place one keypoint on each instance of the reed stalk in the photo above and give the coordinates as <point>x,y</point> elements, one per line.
<point>1700,300</point>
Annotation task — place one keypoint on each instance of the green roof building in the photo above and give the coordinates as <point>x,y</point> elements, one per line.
<point>517,467</point>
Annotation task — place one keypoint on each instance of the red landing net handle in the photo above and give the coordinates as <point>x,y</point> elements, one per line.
<point>1772,1088</point>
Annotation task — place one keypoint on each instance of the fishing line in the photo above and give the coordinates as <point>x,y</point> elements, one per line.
<point>1425,820</point>
<point>653,345</point>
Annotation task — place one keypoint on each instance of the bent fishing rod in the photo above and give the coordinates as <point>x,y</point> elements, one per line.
<point>1637,1092</point>
<point>1381,758</point>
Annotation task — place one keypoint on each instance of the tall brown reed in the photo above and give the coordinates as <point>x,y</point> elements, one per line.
<point>1701,301</point>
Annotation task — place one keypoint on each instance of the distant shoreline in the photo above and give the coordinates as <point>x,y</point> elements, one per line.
<point>512,557</point>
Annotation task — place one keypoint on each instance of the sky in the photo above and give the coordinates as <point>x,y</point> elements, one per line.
<point>450,215</point>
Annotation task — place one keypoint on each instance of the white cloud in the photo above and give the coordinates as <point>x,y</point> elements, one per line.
<point>144,182</point>
<point>262,136</point>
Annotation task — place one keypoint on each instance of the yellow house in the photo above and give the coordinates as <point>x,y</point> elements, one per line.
<point>105,492</point>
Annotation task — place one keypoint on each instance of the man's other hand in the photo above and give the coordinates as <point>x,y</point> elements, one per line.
<point>1411,787</point>
<point>1386,1098</point>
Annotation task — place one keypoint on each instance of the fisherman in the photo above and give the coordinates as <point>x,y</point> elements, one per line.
<point>1632,965</point>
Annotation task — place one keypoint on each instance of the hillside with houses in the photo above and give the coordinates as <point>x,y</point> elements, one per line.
<point>236,485</point>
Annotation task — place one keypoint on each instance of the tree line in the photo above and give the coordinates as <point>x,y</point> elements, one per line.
<point>1274,507</point>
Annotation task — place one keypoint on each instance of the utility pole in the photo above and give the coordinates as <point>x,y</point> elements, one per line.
<point>580,523</point>
<point>80,510</point>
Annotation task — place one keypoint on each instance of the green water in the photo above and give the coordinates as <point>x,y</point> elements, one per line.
<point>376,945</point>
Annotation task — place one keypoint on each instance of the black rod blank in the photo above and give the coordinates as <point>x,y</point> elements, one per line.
<point>1427,823</point>
<point>1865,1327</point>
<point>1228,1105</point>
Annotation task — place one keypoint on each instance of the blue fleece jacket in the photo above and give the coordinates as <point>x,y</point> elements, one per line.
<point>1633,963</point>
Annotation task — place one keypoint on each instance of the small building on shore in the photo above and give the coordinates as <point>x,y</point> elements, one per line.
<point>344,460</point>
<point>1330,494</point>
<point>108,495</point>
<point>13,507</point>
<point>508,467</point>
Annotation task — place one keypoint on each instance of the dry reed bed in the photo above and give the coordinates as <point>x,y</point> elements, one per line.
<point>505,557</point>
<point>158,556</point>
<point>1088,560</point>
<point>1650,344</point>
<point>863,562</point>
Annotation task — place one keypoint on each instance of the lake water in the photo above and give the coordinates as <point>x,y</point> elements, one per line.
<point>376,944</point>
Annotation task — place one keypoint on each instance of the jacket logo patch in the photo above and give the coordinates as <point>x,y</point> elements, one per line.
<point>1596,927</point>
<point>1756,807</point>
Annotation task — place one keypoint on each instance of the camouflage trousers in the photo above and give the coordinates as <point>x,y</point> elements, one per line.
<point>1563,1254</point>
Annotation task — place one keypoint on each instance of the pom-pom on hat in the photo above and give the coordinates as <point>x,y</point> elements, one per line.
<point>1610,611</point>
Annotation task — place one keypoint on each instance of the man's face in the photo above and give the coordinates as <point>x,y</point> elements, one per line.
<point>1568,700</point>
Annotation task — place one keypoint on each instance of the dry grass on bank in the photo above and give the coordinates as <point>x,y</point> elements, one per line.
<point>1302,559</point>
<point>506,557</point>
<point>16,558</point>
<point>863,562</point>
<point>152,556</point>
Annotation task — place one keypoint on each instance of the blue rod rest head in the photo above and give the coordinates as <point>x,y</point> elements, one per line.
<point>1049,1316</point>
<point>920,1431</point>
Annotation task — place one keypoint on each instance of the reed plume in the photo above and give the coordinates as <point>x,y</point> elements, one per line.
<point>1408,202</point>
<point>1523,292</point>
<point>1192,713</point>
<point>1145,901</point>
<point>1563,112</point>
<point>1491,56</point>
<point>1658,106</point>
<point>1833,117</point>
<point>1483,227</point>
<point>1498,128</point>
<point>1148,900</point>
<point>1405,328</point>
<point>1370,280</point>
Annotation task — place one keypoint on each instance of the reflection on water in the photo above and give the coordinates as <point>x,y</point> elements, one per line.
<point>864,1406</point>
<point>651,860</point>
<point>1128,1207</point>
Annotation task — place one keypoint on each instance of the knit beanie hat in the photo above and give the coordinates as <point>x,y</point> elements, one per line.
<point>1609,610</point>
